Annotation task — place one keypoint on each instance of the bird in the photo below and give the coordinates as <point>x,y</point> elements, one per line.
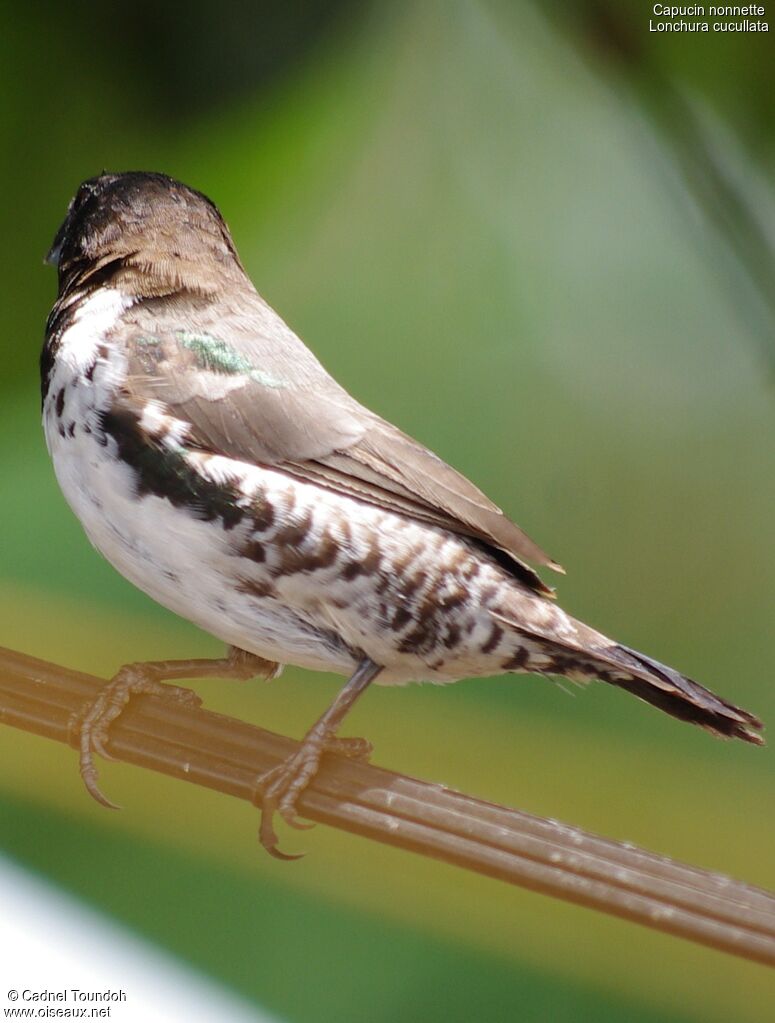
<point>215,463</point>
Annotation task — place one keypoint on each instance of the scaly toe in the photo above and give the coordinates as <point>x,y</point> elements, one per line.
<point>352,748</point>
<point>180,694</point>
<point>265,784</point>
<point>95,730</point>
<point>279,789</point>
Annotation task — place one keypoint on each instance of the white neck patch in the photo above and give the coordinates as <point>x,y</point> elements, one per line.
<point>93,320</point>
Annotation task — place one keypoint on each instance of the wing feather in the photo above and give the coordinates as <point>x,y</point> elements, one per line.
<point>250,389</point>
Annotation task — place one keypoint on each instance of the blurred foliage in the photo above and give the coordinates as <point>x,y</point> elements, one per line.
<point>682,103</point>
<point>196,61</point>
<point>734,72</point>
<point>489,242</point>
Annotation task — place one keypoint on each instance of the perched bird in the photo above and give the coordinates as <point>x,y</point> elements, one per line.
<point>216,464</point>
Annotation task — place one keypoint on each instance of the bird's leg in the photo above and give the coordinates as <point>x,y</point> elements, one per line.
<point>93,724</point>
<point>279,789</point>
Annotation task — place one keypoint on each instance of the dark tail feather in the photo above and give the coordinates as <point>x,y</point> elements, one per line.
<point>593,655</point>
<point>680,696</point>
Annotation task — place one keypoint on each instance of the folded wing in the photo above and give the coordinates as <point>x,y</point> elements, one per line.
<point>250,389</point>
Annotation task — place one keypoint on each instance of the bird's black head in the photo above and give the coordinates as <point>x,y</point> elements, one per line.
<point>145,220</point>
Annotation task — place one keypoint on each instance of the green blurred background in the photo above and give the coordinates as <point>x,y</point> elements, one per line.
<point>536,237</point>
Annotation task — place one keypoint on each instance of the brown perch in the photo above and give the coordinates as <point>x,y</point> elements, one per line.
<point>543,855</point>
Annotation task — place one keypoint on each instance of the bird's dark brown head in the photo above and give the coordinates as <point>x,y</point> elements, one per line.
<point>145,232</point>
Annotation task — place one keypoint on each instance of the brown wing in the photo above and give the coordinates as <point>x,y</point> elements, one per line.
<point>391,468</point>
<point>250,389</point>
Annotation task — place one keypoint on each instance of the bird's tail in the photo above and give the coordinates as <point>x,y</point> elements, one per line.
<point>680,696</point>
<point>591,655</point>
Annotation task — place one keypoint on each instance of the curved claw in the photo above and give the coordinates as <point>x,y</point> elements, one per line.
<point>89,778</point>
<point>268,836</point>
<point>280,855</point>
<point>298,825</point>
<point>99,715</point>
<point>97,744</point>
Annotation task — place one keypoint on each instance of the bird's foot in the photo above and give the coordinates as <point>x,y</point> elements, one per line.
<point>148,678</point>
<point>278,790</point>
<point>99,715</point>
